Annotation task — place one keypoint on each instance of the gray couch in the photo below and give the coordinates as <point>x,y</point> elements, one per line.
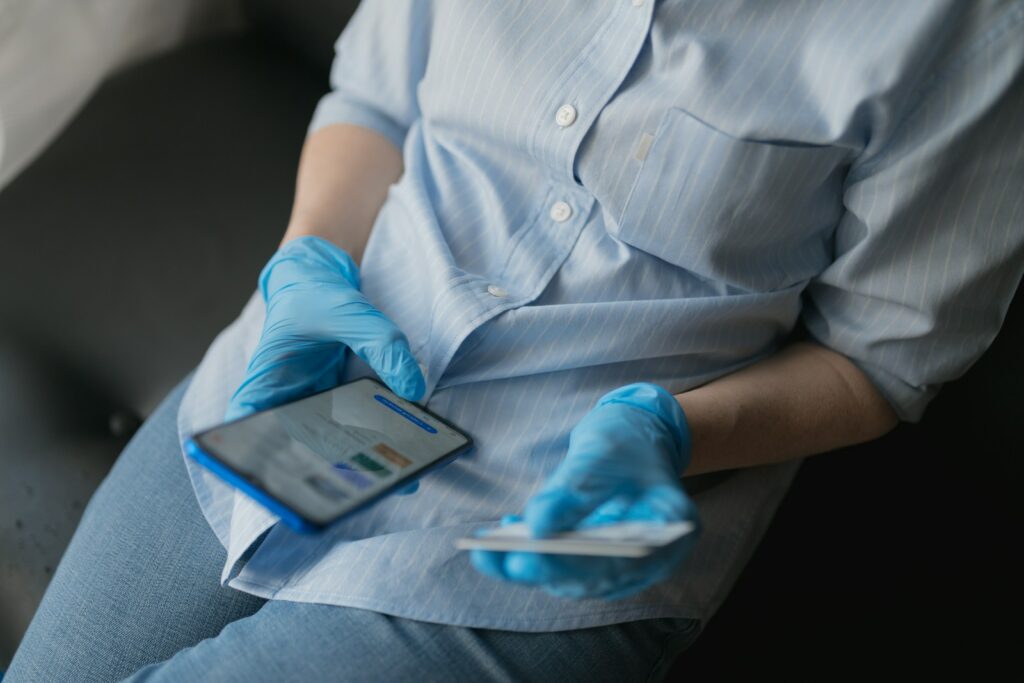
<point>139,234</point>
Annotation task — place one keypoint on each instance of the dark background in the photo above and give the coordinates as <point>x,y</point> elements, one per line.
<point>139,233</point>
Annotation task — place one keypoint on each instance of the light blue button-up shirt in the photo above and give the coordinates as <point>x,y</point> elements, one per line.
<point>603,192</point>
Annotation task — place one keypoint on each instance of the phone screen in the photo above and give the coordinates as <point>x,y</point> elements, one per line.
<point>325,455</point>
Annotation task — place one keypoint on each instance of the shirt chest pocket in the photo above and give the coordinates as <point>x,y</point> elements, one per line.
<point>754,215</point>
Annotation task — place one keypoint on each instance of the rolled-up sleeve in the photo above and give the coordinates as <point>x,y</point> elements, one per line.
<point>930,249</point>
<point>379,59</point>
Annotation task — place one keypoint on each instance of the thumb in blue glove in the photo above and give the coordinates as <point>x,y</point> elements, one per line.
<point>314,313</point>
<point>624,463</point>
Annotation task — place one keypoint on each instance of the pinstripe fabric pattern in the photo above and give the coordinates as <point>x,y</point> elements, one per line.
<point>732,168</point>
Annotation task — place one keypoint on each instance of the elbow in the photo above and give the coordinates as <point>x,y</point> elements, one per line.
<point>876,416</point>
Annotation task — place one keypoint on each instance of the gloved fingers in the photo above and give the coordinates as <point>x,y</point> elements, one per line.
<point>278,374</point>
<point>582,576</point>
<point>615,509</point>
<point>612,578</point>
<point>540,569</point>
<point>556,510</point>
<point>666,502</point>
<point>379,342</point>
<point>492,562</point>
<point>573,491</point>
<point>578,576</point>
<point>489,562</point>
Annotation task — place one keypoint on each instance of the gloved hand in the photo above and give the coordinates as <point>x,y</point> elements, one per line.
<point>314,312</point>
<point>624,462</point>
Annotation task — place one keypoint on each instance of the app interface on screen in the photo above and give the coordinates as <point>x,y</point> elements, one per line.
<point>337,448</point>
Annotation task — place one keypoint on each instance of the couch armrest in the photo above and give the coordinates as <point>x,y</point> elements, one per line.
<point>53,54</point>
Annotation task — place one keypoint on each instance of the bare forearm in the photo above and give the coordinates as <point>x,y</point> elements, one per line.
<point>806,399</point>
<point>343,179</point>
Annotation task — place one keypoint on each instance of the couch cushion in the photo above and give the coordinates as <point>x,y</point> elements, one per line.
<point>140,232</point>
<point>56,449</point>
<point>128,245</point>
<point>308,28</point>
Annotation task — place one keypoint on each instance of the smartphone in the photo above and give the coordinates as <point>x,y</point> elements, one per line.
<point>315,460</point>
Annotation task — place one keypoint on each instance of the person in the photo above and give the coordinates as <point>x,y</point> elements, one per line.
<point>590,234</point>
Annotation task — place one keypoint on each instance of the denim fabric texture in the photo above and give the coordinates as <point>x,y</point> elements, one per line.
<point>137,597</point>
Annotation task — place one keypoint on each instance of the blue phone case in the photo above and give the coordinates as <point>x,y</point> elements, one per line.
<point>289,516</point>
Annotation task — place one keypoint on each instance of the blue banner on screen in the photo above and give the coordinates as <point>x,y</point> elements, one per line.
<point>405,413</point>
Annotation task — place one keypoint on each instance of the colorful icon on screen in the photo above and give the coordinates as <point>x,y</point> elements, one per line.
<point>389,453</point>
<point>368,464</point>
<point>326,487</point>
<point>360,481</point>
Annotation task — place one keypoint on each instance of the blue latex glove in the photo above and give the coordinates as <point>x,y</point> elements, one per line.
<point>314,312</point>
<point>624,462</point>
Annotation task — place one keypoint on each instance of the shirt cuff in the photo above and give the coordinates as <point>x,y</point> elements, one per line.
<point>333,108</point>
<point>907,401</point>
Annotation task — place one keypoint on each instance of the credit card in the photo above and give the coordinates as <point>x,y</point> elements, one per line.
<point>622,539</point>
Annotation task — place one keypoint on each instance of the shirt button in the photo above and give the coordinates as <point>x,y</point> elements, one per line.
<point>638,3</point>
<point>560,211</point>
<point>495,290</point>
<point>423,369</point>
<point>566,115</point>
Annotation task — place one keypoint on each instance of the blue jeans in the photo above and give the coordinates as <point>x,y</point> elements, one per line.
<point>137,597</point>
